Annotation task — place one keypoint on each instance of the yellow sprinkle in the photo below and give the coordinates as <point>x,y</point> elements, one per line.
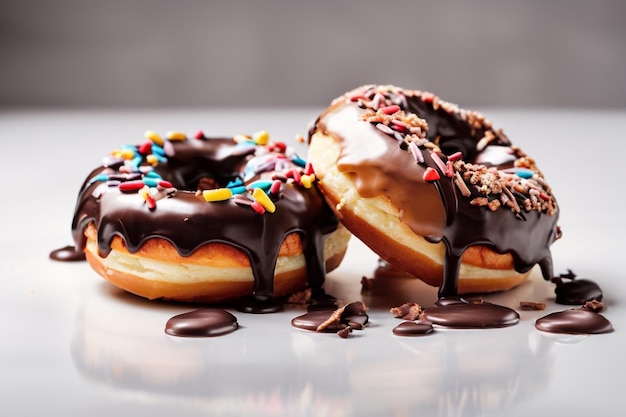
<point>307,180</point>
<point>260,196</point>
<point>152,160</point>
<point>144,192</point>
<point>154,137</point>
<point>127,154</point>
<point>261,138</point>
<point>218,194</point>
<point>175,135</point>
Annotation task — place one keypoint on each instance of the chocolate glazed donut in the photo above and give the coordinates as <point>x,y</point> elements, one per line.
<point>450,175</point>
<point>164,189</point>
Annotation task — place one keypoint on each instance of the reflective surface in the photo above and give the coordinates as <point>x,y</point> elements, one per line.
<point>75,345</point>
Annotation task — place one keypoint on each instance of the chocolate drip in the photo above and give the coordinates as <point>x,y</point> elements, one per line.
<point>202,323</point>
<point>380,164</point>
<point>67,254</point>
<point>189,222</point>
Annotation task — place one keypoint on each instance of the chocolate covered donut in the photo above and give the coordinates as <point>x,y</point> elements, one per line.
<point>434,189</point>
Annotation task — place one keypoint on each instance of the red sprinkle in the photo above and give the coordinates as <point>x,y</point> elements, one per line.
<point>130,186</point>
<point>145,148</point>
<point>199,134</point>
<point>308,169</point>
<point>544,196</point>
<point>295,174</point>
<point>431,174</point>
<point>258,207</point>
<point>390,109</point>
<point>450,171</point>
<point>275,188</point>
<point>150,201</point>
<point>165,184</point>
<point>280,147</point>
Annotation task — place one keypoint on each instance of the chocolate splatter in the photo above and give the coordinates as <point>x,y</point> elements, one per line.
<point>202,323</point>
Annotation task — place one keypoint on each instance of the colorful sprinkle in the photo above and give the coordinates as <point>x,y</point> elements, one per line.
<point>437,160</point>
<point>175,135</point>
<point>131,186</point>
<point>218,194</point>
<point>298,161</point>
<point>431,174</point>
<point>307,180</point>
<point>199,135</point>
<point>390,109</point>
<point>416,152</point>
<point>264,185</point>
<point>457,156</point>
<point>258,207</point>
<point>308,169</point>
<point>259,195</point>
<point>261,138</point>
<point>145,148</point>
<point>154,137</point>
<point>276,186</point>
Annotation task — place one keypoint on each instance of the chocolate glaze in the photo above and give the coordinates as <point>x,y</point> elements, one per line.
<point>353,315</point>
<point>67,254</point>
<point>456,312</point>
<point>577,321</point>
<point>202,323</point>
<point>188,221</point>
<point>437,210</point>
<point>412,328</point>
<point>572,291</point>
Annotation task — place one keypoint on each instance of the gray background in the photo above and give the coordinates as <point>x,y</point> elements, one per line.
<point>142,53</point>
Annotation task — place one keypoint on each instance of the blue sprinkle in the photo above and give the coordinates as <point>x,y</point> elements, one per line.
<point>99,177</point>
<point>150,182</point>
<point>239,189</point>
<point>152,174</point>
<point>264,185</point>
<point>524,173</point>
<point>298,161</point>
<point>157,150</point>
<point>234,183</point>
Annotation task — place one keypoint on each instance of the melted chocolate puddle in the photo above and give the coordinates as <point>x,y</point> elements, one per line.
<point>412,328</point>
<point>578,321</point>
<point>572,291</point>
<point>67,254</point>
<point>456,312</point>
<point>202,323</point>
<point>353,315</point>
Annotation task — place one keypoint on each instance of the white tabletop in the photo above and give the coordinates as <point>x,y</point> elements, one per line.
<point>73,345</point>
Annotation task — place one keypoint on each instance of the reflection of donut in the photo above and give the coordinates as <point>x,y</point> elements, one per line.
<point>207,219</point>
<point>426,184</point>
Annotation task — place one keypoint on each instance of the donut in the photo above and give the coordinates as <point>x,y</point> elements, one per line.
<point>202,219</point>
<point>434,189</point>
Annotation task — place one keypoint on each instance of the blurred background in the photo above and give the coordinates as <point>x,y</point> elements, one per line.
<point>192,53</point>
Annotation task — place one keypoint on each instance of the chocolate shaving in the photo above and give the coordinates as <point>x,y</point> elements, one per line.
<point>594,306</point>
<point>532,305</point>
<point>407,311</point>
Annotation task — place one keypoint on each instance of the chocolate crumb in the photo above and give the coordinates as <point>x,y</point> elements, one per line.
<point>531,305</point>
<point>345,332</point>
<point>594,306</point>
<point>353,309</point>
<point>407,311</point>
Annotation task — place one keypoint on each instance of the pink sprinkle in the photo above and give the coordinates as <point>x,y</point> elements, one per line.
<point>399,126</point>
<point>199,134</point>
<point>457,156</point>
<point>258,207</point>
<point>544,196</point>
<point>384,128</point>
<point>416,152</point>
<point>450,172</point>
<point>439,163</point>
<point>295,174</point>
<point>168,148</point>
<point>390,109</point>
<point>275,188</point>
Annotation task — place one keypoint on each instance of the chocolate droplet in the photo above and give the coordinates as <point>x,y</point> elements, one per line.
<point>577,292</point>
<point>574,322</point>
<point>201,323</point>
<point>462,314</point>
<point>411,328</point>
<point>67,254</point>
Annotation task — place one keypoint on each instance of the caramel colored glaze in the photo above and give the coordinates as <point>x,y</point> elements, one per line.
<point>188,222</point>
<point>437,210</point>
